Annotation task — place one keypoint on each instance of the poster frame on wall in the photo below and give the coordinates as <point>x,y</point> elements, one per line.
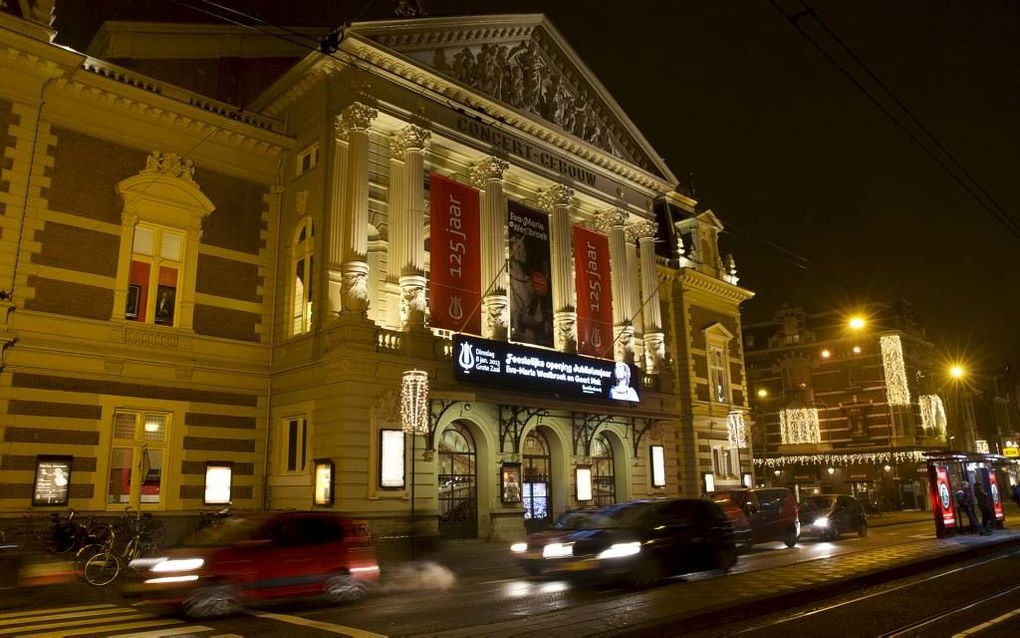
<point>47,467</point>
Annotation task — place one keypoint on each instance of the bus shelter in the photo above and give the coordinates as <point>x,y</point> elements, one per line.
<point>947,472</point>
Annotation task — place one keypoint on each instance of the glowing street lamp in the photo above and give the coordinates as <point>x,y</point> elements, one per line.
<point>957,372</point>
<point>762,393</point>
<point>856,322</point>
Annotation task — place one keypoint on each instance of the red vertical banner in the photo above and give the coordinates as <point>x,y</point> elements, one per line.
<point>943,497</point>
<point>455,273</point>
<point>594,293</point>
<point>996,494</point>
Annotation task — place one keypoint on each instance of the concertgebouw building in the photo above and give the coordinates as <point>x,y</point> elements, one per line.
<point>235,270</point>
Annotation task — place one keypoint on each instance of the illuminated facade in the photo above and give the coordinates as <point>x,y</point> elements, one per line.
<point>258,282</point>
<point>847,409</point>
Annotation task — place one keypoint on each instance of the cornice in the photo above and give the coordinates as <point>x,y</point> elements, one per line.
<point>694,280</point>
<point>302,77</point>
<point>423,78</point>
<point>146,100</point>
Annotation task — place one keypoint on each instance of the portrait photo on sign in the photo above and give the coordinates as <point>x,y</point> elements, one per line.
<point>165,300</point>
<point>511,483</point>
<point>622,388</point>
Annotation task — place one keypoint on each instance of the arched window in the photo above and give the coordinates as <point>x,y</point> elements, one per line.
<point>537,482</point>
<point>603,472</point>
<point>303,267</point>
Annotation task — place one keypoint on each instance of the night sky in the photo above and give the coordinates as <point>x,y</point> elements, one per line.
<point>827,203</point>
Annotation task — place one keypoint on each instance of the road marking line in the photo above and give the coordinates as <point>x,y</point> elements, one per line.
<point>324,626</point>
<point>985,625</point>
<point>78,614</point>
<point>107,630</point>
<point>172,631</point>
<point>124,615</point>
<point>43,612</point>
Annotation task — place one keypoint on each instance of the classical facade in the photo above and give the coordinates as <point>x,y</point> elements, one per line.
<point>447,226</point>
<point>852,409</point>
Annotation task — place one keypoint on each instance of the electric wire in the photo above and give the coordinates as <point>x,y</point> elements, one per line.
<point>1004,219</point>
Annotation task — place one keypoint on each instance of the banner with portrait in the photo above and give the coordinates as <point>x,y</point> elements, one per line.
<point>455,246</point>
<point>531,311</point>
<point>594,293</point>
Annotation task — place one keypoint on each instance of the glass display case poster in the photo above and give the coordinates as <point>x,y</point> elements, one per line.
<point>511,483</point>
<point>52,480</point>
<point>323,482</point>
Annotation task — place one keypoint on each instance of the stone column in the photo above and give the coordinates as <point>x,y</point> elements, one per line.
<point>407,227</point>
<point>355,120</point>
<point>613,222</point>
<point>334,245</point>
<point>557,201</point>
<point>655,343</point>
<point>488,175</point>
<point>633,277</point>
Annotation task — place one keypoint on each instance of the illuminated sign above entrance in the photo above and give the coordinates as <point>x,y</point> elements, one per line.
<point>511,366</point>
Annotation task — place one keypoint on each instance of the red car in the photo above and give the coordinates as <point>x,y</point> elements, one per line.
<point>250,558</point>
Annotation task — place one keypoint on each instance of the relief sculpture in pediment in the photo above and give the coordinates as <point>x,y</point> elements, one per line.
<point>520,76</point>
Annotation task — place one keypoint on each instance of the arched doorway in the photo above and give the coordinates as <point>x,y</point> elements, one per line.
<point>537,482</point>
<point>603,471</point>
<point>458,490</point>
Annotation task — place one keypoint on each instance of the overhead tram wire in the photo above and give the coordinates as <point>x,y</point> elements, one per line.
<point>794,19</point>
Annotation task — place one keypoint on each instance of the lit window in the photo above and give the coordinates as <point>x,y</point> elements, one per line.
<point>302,292</point>
<point>717,375</point>
<point>308,159</point>
<point>137,457</point>
<point>156,263</point>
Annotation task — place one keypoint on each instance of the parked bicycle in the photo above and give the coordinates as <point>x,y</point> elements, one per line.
<point>213,517</point>
<point>97,562</point>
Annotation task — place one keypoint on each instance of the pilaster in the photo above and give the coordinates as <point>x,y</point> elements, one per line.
<point>613,222</point>
<point>557,201</point>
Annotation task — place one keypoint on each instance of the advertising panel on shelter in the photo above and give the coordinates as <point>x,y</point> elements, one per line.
<point>594,293</point>
<point>455,276</point>
<point>531,311</point>
<point>996,494</point>
<point>516,367</point>
<point>943,496</point>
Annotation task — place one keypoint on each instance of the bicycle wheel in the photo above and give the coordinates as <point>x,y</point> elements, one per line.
<point>102,569</point>
<point>84,554</point>
<point>63,538</point>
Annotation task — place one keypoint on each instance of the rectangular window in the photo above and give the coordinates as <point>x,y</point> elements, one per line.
<point>137,457</point>
<point>717,375</point>
<point>157,253</point>
<point>308,158</point>
<point>294,444</point>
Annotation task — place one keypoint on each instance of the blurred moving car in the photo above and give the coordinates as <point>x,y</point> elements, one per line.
<point>639,541</point>
<point>258,557</point>
<point>827,516</point>
<point>23,570</point>
<point>760,515</point>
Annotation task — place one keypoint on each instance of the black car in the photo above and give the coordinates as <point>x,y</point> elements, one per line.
<point>637,541</point>
<point>827,516</point>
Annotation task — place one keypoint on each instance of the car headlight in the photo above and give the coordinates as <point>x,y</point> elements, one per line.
<point>619,550</point>
<point>821,522</point>
<point>558,550</point>
<point>517,548</point>
<point>178,565</point>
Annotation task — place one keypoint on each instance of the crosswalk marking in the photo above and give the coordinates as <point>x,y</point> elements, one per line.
<point>107,630</point>
<point>116,616</point>
<point>44,612</point>
<point>174,631</point>
<point>66,616</point>
<point>315,624</point>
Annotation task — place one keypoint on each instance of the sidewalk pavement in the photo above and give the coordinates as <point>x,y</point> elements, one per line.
<point>661,612</point>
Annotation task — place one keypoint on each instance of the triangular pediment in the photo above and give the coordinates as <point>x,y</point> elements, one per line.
<point>524,63</point>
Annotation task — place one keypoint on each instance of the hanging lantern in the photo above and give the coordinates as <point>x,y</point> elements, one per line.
<point>414,402</point>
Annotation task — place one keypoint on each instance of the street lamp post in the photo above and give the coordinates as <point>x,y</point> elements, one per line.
<point>414,420</point>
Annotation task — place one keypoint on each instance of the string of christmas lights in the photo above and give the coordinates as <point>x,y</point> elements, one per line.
<point>852,458</point>
<point>799,425</point>
<point>737,430</point>
<point>896,390</point>
<point>933,413</point>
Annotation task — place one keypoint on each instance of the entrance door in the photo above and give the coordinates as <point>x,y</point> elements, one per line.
<point>603,472</point>
<point>537,493</point>
<point>458,501</point>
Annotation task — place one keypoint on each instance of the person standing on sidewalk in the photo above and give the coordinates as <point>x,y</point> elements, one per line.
<point>966,505</point>
<point>984,502</point>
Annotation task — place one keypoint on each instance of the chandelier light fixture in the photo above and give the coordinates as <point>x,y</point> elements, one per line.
<point>414,402</point>
<point>799,425</point>
<point>736,428</point>
<point>933,414</point>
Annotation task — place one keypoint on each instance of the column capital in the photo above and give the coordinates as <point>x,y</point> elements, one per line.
<point>556,195</point>
<point>355,118</point>
<point>606,220</point>
<point>644,229</point>
<point>410,138</point>
<point>489,169</point>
